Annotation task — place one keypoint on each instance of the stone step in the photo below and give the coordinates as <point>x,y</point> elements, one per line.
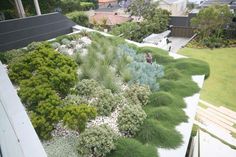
<point>218,109</point>
<point>214,116</point>
<point>221,115</point>
<point>228,111</point>
<point>222,124</point>
<point>209,124</point>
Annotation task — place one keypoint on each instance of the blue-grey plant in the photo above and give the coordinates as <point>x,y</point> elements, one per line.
<point>55,45</point>
<point>146,74</point>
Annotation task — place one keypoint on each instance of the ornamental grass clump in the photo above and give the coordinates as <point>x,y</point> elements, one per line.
<point>96,141</point>
<point>170,115</point>
<point>153,132</point>
<point>128,147</point>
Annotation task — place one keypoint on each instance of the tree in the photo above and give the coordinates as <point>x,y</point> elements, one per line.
<point>141,7</point>
<point>79,17</point>
<point>212,20</point>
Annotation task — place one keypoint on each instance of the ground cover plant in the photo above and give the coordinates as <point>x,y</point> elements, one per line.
<point>117,104</point>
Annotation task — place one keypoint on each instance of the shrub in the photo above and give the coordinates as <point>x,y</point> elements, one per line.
<point>8,56</point>
<point>98,96</point>
<point>73,99</point>
<point>48,66</point>
<point>153,132</point>
<point>88,88</point>
<point>32,93</point>
<point>181,87</point>
<point>170,115</point>
<point>79,17</point>
<point>138,94</point>
<point>41,125</point>
<point>127,147</point>
<point>130,119</point>
<point>76,116</point>
<point>105,102</point>
<point>70,5</point>
<point>61,147</point>
<point>146,74</point>
<point>87,5</point>
<point>96,141</point>
<point>34,45</point>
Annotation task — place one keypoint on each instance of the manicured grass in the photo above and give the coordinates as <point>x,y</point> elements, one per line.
<point>219,89</point>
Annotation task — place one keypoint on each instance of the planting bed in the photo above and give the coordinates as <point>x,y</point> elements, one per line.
<point>90,95</point>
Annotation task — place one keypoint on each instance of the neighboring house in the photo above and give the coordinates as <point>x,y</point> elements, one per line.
<point>161,40</point>
<point>230,3</point>
<point>110,17</point>
<point>107,3</point>
<point>176,7</point>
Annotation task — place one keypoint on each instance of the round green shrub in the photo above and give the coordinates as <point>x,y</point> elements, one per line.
<point>138,94</point>
<point>171,115</point>
<point>76,116</point>
<point>105,102</point>
<point>160,99</point>
<point>41,125</point>
<point>88,87</point>
<point>128,147</point>
<point>153,132</point>
<point>130,119</point>
<point>96,141</point>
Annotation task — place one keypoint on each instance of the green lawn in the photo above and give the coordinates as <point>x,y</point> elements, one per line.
<point>220,88</point>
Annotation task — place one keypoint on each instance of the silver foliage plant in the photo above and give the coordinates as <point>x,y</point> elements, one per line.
<point>96,141</point>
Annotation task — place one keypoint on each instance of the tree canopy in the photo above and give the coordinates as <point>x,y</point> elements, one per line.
<point>212,20</point>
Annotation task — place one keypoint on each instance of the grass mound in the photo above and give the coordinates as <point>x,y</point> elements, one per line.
<point>191,66</point>
<point>171,115</point>
<point>153,132</point>
<point>165,99</point>
<point>173,74</point>
<point>126,147</point>
<point>158,55</point>
<point>160,99</point>
<point>182,87</point>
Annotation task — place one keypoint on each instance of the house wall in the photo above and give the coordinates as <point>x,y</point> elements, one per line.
<point>104,5</point>
<point>176,8</point>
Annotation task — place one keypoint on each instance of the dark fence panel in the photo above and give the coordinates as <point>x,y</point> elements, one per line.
<point>182,32</point>
<point>18,33</point>
<point>179,21</point>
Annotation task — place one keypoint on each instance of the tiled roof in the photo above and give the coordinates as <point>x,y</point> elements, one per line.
<point>112,18</point>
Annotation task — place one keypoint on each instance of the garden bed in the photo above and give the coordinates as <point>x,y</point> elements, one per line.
<point>91,95</point>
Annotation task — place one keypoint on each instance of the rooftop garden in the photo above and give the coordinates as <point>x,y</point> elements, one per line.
<point>96,96</point>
